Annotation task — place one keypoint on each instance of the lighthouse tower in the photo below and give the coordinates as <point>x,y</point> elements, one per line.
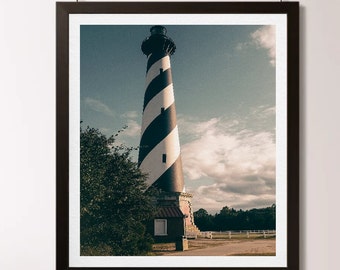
<point>159,153</point>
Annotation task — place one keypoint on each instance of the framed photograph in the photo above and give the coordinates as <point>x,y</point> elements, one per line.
<point>210,183</point>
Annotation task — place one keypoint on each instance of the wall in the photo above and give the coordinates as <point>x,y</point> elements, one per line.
<point>175,231</point>
<point>27,137</point>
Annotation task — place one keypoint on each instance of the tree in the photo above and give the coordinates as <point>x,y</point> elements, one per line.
<point>231,219</point>
<point>203,220</point>
<point>201,213</point>
<point>115,205</point>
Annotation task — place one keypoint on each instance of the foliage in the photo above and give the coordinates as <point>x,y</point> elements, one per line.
<point>203,220</point>
<point>231,219</point>
<point>115,205</point>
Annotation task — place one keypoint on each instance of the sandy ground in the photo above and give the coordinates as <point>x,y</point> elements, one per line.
<point>207,247</point>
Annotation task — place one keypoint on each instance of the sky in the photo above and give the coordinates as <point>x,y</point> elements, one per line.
<point>224,84</point>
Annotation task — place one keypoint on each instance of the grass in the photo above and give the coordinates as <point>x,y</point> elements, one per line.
<point>198,244</point>
<point>160,249</point>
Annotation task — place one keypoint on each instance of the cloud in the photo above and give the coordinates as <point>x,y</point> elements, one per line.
<point>213,198</point>
<point>263,112</point>
<point>269,111</point>
<point>240,46</point>
<point>133,129</point>
<point>239,163</point>
<point>98,106</point>
<point>131,114</point>
<point>106,131</point>
<point>265,37</point>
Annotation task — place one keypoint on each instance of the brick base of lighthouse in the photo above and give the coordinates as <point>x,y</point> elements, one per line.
<point>182,201</point>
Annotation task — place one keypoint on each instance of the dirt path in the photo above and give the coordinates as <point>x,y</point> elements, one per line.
<point>230,247</point>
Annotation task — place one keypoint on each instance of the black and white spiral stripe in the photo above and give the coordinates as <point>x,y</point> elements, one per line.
<point>159,154</point>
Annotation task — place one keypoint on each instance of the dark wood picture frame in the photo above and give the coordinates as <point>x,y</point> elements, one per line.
<point>291,9</point>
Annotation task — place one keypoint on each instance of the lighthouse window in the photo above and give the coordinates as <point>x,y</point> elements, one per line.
<point>160,70</point>
<point>164,158</point>
<point>162,110</point>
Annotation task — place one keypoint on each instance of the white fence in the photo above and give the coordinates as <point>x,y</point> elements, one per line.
<point>238,234</point>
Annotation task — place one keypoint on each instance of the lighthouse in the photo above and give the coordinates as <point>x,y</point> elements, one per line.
<point>159,152</point>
